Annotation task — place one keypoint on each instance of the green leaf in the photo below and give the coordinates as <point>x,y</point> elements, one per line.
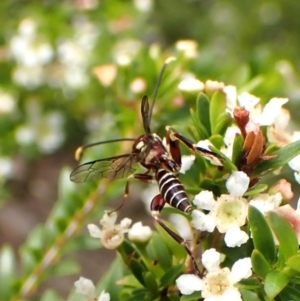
<point>283,156</point>
<point>275,282</point>
<point>192,297</point>
<point>7,271</point>
<point>217,141</point>
<point>237,148</point>
<point>249,284</point>
<point>137,295</point>
<point>150,282</point>
<point>262,234</point>
<point>137,270</point>
<point>223,121</point>
<point>294,262</point>
<point>202,112</point>
<point>160,251</point>
<point>288,242</point>
<point>290,293</point>
<point>259,264</point>
<point>108,281</point>
<point>170,276</point>
<point>259,188</point>
<point>65,267</point>
<point>50,295</point>
<point>249,295</point>
<point>217,108</point>
<point>175,248</point>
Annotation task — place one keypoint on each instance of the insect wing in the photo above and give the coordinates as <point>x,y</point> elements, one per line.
<point>111,168</point>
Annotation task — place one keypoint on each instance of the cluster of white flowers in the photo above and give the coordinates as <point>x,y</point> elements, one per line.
<point>218,283</point>
<point>112,234</point>
<point>31,53</point>
<point>272,115</point>
<point>228,213</point>
<point>74,53</point>
<point>46,131</point>
<point>34,56</point>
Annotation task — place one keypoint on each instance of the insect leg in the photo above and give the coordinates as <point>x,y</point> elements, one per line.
<point>144,177</point>
<point>157,205</point>
<point>175,136</point>
<point>174,149</point>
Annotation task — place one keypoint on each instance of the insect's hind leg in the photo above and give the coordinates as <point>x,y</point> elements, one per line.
<point>144,177</point>
<point>157,205</point>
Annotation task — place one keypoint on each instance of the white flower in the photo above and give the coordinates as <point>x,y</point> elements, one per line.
<point>229,138</point>
<point>203,222</point>
<point>271,111</point>
<point>191,85</point>
<point>218,284</point>
<point>125,50</point>
<point>235,237</point>
<point>211,259</point>
<point>189,283</point>
<point>231,97</point>
<point>29,77</point>
<point>229,212</point>
<point>7,103</point>
<point>212,86</point>
<point>86,287</point>
<point>187,162</point>
<point>143,5</point>
<point>204,200</point>
<point>188,48</point>
<point>139,233</point>
<point>111,234</point>
<point>104,296</point>
<point>265,202</point>
<point>94,231</point>
<point>248,101</point>
<point>6,167</point>
<point>241,269</point>
<point>237,183</point>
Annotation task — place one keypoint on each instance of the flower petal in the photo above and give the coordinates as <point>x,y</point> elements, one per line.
<point>189,283</point>
<point>237,183</point>
<point>235,237</point>
<point>241,269</point>
<point>211,259</point>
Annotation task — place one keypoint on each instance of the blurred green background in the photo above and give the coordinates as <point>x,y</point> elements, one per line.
<point>73,72</point>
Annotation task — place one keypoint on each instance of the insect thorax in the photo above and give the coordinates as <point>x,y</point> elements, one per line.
<point>155,154</point>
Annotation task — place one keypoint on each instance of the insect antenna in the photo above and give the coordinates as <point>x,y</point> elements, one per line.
<point>168,60</point>
<point>80,150</point>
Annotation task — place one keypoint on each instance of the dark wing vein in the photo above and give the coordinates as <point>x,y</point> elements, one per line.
<point>111,168</point>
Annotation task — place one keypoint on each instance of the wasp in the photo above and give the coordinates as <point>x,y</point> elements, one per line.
<point>162,164</point>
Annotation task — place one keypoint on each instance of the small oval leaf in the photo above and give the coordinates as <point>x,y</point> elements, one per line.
<point>259,264</point>
<point>288,242</point>
<point>294,262</point>
<point>275,282</point>
<point>262,234</point>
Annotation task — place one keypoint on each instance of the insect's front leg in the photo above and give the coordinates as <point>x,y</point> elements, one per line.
<point>174,149</point>
<point>157,205</point>
<point>175,136</point>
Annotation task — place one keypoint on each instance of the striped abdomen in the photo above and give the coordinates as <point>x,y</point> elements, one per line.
<point>172,190</point>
